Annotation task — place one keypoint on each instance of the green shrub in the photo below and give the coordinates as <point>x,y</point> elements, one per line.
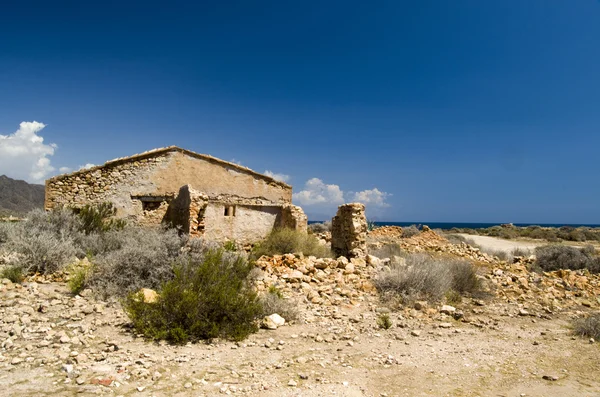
<point>230,245</point>
<point>555,257</point>
<point>384,321</point>
<point>589,327</point>
<point>205,299</point>
<point>289,241</point>
<point>426,277</point>
<point>14,273</point>
<point>371,225</point>
<point>98,218</point>
<point>80,277</point>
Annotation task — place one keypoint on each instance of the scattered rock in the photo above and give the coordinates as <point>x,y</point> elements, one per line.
<point>273,321</point>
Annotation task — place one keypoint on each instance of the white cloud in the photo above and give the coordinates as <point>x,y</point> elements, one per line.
<point>317,192</point>
<point>277,177</point>
<point>23,154</point>
<point>64,170</point>
<point>321,199</point>
<point>373,197</point>
<point>86,166</point>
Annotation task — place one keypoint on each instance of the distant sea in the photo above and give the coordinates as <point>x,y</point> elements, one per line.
<point>451,225</point>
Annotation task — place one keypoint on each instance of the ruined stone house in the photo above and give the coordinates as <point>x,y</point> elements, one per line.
<point>200,194</point>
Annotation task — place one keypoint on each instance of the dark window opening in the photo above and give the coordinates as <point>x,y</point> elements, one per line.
<point>150,205</point>
<point>229,211</point>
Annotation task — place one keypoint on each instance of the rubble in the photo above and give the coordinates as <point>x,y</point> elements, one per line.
<point>68,344</point>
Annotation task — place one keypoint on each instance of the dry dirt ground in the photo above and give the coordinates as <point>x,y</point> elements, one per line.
<point>54,343</point>
<point>498,244</point>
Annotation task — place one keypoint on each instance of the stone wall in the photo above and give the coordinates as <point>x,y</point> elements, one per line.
<point>223,217</point>
<point>349,231</point>
<point>117,184</point>
<point>142,186</point>
<point>186,211</point>
<point>293,217</point>
<point>199,194</point>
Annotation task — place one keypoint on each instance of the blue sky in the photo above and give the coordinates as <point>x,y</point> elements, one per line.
<point>473,111</point>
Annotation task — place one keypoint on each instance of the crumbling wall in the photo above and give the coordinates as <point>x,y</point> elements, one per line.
<point>141,187</point>
<point>349,231</point>
<point>293,217</point>
<point>186,211</point>
<point>116,183</point>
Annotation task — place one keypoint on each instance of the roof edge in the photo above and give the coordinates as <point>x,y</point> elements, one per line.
<point>158,151</point>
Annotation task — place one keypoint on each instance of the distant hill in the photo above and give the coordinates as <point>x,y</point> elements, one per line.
<point>19,197</point>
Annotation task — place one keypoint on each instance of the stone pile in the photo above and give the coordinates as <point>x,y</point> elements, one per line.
<point>430,241</point>
<point>323,281</point>
<point>546,291</point>
<point>386,231</point>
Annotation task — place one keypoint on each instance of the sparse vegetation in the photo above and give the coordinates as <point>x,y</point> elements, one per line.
<point>14,273</point>
<point>384,321</point>
<point>588,327</point>
<point>230,245</point>
<point>409,231</point>
<point>274,302</point>
<point>457,239</point>
<point>46,241</point>
<point>427,277</point>
<point>453,297</point>
<point>316,228</point>
<point>80,276</point>
<point>555,257</point>
<point>135,258</point>
<point>288,241</point>
<point>206,299</point>
<point>371,225</point>
<point>391,251</point>
<point>551,234</point>
<point>521,252</point>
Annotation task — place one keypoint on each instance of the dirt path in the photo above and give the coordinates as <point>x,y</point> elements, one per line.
<point>498,244</point>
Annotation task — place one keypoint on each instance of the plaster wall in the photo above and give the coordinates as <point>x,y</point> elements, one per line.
<point>248,225</point>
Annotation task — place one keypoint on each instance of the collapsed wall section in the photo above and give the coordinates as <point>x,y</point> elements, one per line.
<point>293,217</point>
<point>349,231</point>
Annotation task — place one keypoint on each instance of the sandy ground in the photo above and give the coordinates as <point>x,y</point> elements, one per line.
<point>498,244</point>
<point>332,351</point>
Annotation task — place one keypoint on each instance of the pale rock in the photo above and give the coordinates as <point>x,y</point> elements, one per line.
<point>447,309</point>
<point>148,295</point>
<point>273,321</point>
